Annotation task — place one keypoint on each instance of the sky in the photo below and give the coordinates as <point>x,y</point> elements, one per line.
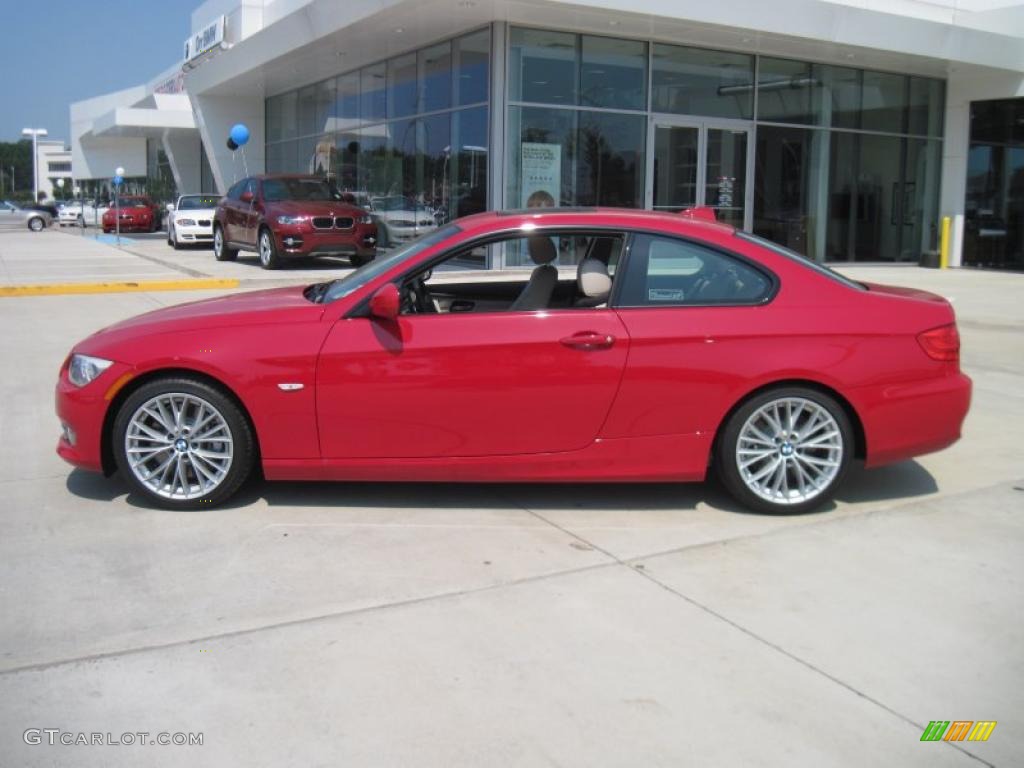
<point>78,50</point>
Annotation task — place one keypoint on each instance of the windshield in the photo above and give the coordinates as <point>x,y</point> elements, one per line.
<point>132,202</point>
<point>344,286</point>
<point>821,269</point>
<point>194,202</point>
<point>298,189</point>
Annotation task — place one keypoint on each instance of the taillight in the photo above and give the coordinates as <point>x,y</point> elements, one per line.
<point>942,343</point>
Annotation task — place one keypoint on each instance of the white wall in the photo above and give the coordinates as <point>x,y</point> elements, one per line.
<point>215,115</point>
<point>96,158</point>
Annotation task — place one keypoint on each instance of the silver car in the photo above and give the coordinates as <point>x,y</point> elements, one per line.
<point>15,217</point>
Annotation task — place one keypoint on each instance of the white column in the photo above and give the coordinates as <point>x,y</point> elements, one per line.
<point>214,117</point>
<point>182,149</point>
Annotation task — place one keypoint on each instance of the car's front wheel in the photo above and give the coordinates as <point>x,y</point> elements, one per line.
<point>221,252</point>
<point>183,443</point>
<point>268,250</point>
<point>785,451</point>
<point>36,223</point>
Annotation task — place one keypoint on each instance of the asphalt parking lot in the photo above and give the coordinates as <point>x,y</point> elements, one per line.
<point>501,625</point>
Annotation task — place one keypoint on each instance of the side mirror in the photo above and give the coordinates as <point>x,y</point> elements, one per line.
<point>246,197</point>
<point>384,304</point>
<point>170,207</point>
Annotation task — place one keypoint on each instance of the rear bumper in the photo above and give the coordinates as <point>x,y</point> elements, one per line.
<point>906,420</point>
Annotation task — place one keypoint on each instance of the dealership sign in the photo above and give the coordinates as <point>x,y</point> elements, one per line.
<point>205,40</point>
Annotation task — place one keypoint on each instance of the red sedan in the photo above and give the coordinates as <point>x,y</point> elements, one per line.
<point>676,345</point>
<point>136,214</point>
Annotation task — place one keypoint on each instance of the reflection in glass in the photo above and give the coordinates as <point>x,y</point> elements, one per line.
<point>884,102</point>
<point>694,81</point>
<point>613,73</point>
<point>837,103</point>
<point>402,86</point>
<point>726,174</point>
<point>925,107</point>
<point>787,171</point>
<point>372,93</point>
<point>468,173</point>
<point>610,159</point>
<point>435,74</point>
<point>472,68</point>
<point>307,110</point>
<point>676,157</point>
<point>543,66</point>
<point>784,91</point>
<point>346,106</point>
<point>546,140</point>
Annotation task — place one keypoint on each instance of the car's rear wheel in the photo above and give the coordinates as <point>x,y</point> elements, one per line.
<point>183,444</point>
<point>36,223</point>
<point>221,252</point>
<point>785,451</point>
<point>268,250</point>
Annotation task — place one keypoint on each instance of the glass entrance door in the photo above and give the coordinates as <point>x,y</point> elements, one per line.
<point>695,163</point>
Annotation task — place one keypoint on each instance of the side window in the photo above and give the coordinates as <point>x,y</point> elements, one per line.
<point>235,191</point>
<point>250,186</point>
<point>663,271</point>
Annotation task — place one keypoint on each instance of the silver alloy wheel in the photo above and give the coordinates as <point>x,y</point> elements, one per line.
<point>789,451</point>
<point>36,224</point>
<point>218,241</point>
<point>179,446</point>
<point>266,249</point>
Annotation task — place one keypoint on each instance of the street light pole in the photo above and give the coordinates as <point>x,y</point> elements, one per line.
<point>35,133</point>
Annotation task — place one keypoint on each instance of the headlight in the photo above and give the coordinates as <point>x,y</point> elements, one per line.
<point>291,219</point>
<point>366,219</point>
<point>185,222</point>
<point>84,369</point>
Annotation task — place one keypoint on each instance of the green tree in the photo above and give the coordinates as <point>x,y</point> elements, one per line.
<point>16,158</point>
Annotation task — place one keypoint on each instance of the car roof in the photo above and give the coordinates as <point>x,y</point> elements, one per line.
<point>628,218</point>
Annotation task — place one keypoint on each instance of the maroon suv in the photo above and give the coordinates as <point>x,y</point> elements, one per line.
<point>291,215</point>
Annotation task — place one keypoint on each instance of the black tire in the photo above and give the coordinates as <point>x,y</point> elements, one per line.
<point>221,252</point>
<point>266,248</point>
<point>36,224</point>
<point>243,440</point>
<point>726,457</point>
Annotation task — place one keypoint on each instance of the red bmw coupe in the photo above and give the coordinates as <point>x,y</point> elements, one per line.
<point>675,345</point>
<point>136,214</point>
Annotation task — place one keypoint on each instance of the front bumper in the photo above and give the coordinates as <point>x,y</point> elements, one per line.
<point>194,234</point>
<point>305,241</point>
<point>82,411</point>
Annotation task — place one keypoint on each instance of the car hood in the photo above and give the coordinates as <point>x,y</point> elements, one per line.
<point>274,306</point>
<point>314,208</point>
<point>193,213</point>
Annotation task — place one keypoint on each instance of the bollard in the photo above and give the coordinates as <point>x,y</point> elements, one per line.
<point>944,243</point>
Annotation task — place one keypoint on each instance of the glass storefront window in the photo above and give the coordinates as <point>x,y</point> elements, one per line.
<point>435,74</point>
<point>543,66</point>
<point>784,91</point>
<point>402,86</point>
<point>884,102</point>
<point>372,93</point>
<point>926,106</point>
<point>838,103</point>
<point>307,110</point>
<point>472,68</point>
<point>613,73</point>
<point>346,105</point>
<point>468,172</point>
<point>273,118</point>
<point>694,81</point>
<point>610,160</point>
<point>541,147</point>
<point>787,177</point>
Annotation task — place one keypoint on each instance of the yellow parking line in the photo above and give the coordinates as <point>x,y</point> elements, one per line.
<point>56,289</point>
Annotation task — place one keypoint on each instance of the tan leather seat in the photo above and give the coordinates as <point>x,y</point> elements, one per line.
<point>537,293</point>
<point>594,283</point>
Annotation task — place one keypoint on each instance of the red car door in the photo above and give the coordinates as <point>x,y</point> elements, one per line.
<point>471,384</point>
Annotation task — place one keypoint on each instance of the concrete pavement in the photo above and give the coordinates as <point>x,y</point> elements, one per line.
<point>441,625</point>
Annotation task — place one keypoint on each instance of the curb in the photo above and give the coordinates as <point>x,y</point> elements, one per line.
<point>58,289</point>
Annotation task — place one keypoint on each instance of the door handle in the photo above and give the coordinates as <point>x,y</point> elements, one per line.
<point>589,340</point>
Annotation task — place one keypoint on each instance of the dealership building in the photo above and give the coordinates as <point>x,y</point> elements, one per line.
<point>845,130</point>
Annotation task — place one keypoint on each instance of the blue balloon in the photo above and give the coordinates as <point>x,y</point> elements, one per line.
<point>239,134</point>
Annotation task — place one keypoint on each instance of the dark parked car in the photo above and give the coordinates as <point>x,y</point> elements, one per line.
<point>289,216</point>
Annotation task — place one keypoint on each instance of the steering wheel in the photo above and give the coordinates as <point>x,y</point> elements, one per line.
<point>416,298</point>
